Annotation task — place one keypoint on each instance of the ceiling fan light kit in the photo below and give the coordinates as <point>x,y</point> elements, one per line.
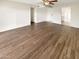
<point>49,3</point>
<point>46,3</point>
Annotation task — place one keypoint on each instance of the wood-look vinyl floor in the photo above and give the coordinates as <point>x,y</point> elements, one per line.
<point>40,41</point>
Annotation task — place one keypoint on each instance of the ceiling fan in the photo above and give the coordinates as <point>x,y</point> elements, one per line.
<point>47,3</point>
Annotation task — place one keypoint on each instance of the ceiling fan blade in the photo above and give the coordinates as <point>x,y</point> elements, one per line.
<point>51,3</point>
<point>44,0</point>
<point>46,3</point>
<point>52,0</point>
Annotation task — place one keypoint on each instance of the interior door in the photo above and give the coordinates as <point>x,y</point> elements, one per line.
<point>66,15</point>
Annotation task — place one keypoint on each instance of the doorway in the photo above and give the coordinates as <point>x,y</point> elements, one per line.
<point>32,15</point>
<point>66,16</point>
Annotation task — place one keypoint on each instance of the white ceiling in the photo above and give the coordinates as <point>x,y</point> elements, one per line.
<point>68,1</point>
<point>27,1</point>
<point>34,2</point>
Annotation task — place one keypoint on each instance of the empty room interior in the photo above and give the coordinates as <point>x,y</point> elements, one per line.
<point>39,29</point>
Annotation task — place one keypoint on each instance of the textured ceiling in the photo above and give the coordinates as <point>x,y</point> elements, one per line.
<point>38,1</point>
<point>27,1</point>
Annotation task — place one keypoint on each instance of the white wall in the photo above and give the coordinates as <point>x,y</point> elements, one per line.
<point>40,14</point>
<point>13,15</point>
<point>54,15</point>
<point>75,15</point>
<point>74,22</point>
